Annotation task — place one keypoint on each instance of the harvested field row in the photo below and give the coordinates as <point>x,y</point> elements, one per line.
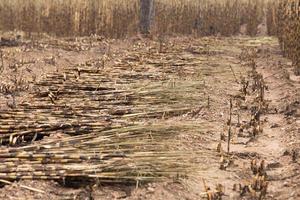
<point>167,118</point>
<point>102,112</point>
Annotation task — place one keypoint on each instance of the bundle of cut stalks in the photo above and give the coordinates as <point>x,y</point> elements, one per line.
<point>136,153</point>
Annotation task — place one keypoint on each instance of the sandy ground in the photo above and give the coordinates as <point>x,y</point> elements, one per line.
<point>278,144</point>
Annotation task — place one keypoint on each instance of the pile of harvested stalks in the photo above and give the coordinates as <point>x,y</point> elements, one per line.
<point>95,115</point>
<point>137,153</point>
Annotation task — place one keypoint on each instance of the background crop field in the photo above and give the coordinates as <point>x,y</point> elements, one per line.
<point>120,18</point>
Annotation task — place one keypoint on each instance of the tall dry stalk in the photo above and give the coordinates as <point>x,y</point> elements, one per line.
<point>284,21</point>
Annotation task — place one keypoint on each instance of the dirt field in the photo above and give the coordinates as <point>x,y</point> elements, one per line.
<point>180,86</point>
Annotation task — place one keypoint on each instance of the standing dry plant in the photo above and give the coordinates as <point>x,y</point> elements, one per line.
<point>284,21</point>
<point>229,127</point>
<point>1,61</point>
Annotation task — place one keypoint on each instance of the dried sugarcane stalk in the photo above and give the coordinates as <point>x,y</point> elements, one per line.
<point>2,61</point>
<point>229,126</point>
<point>23,186</point>
<point>236,80</point>
<point>208,101</point>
